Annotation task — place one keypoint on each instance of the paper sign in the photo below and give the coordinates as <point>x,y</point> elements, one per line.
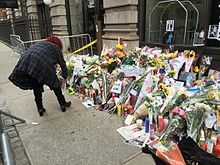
<point>95,84</point>
<point>131,131</point>
<point>210,120</point>
<point>133,92</point>
<point>88,104</point>
<point>146,88</point>
<point>117,87</point>
<point>188,64</point>
<point>177,63</point>
<point>218,35</point>
<point>170,26</point>
<point>129,119</point>
<point>213,32</point>
<point>179,84</point>
<point>78,66</point>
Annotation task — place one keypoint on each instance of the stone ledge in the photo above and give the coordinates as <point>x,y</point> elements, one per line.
<point>60,33</point>
<point>121,8</point>
<point>32,9</point>
<point>121,17</point>
<point>120,30</point>
<point>58,11</point>
<point>125,36</point>
<point>59,20</point>
<point>130,44</point>
<point>57,3</point>
<point>61,28</point>
<point>31,2</point>
<point>117,3</point>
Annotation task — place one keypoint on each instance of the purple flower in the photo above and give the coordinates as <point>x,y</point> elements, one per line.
<point>162,71</point>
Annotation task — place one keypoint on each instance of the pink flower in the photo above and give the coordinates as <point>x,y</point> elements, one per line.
<point>179,111</point>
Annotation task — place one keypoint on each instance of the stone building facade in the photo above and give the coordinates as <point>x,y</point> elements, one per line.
<point>121,19</point>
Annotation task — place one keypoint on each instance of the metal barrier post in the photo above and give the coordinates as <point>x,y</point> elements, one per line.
<point>6,150</point>
<point>7,154</point>
<point>16,44</point>
<point>75,42</point>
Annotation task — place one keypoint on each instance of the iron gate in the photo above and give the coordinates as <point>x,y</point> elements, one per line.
<point>5,30</point>
<point>22,28</point>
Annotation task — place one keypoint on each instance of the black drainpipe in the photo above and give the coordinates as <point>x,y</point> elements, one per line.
<point>69,28</point>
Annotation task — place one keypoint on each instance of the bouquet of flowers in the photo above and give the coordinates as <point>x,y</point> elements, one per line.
<point>170,153</point>
<point>195,119</point>
<point>176,124</point>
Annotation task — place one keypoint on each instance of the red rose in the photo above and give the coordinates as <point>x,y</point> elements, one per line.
<point>117,62</point>
<point>216,150</point>
<point>155,70</point>
<point>203,146</point>
<point>142,62</point>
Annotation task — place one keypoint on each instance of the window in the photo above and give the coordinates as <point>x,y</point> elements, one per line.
<point>173,21</point>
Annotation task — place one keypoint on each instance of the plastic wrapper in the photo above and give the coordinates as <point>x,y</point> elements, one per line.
<point>170,155</point>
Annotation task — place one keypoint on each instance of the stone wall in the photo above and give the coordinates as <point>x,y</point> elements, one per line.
<point>120,19</point>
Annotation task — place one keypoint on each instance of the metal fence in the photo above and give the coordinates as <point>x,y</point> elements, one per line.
<point>28,28</point>
<point>5,30</point>
<point>17,44</point>
<point>21,27</point>
<point>70,43</point>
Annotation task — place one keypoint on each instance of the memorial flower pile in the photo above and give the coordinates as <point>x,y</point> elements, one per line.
<point>168,88</point>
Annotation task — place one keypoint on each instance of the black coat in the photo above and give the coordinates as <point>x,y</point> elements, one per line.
<point>38,64</point>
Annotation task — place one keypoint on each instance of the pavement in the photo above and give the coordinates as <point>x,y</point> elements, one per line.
<point>78,136</point>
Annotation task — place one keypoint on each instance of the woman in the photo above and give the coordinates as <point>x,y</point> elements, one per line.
<point>36,67</point>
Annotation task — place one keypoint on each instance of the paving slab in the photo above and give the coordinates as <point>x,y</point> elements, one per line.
<point>140,159</point>
<point>80,136</point>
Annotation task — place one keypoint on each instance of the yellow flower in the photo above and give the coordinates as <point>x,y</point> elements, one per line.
<point>192,54</point>
<point>173,71</point>
<point>161,63</point>
<point>196,69</point>
<point>171,55</point>
<point>120,54</point>
<point>152,62</point>
<point>166,90</point>
<point>189,54</point>
<point>184,93</point>
<point>119,46</point>
<point>163,54</point>
<point>110,61</point>
<point>162,85</point>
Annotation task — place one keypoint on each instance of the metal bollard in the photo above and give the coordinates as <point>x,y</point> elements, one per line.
<point>8,157</point>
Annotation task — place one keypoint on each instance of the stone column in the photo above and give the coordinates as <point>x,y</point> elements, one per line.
<point>59,21</point>
<point>31,8</point>
<point>120,19</point>
<point>32,14</point>
<point>17,12</point>
<point>58,15</point>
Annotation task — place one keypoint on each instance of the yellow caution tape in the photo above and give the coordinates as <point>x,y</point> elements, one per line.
<point>84,47</point>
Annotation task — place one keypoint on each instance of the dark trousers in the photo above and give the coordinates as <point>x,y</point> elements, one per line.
<point>38,89</point>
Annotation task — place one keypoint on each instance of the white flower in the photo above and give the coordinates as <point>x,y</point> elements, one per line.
<point>203,106</point>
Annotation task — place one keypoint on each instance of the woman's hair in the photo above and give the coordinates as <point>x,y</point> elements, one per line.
<point>56,41</point>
